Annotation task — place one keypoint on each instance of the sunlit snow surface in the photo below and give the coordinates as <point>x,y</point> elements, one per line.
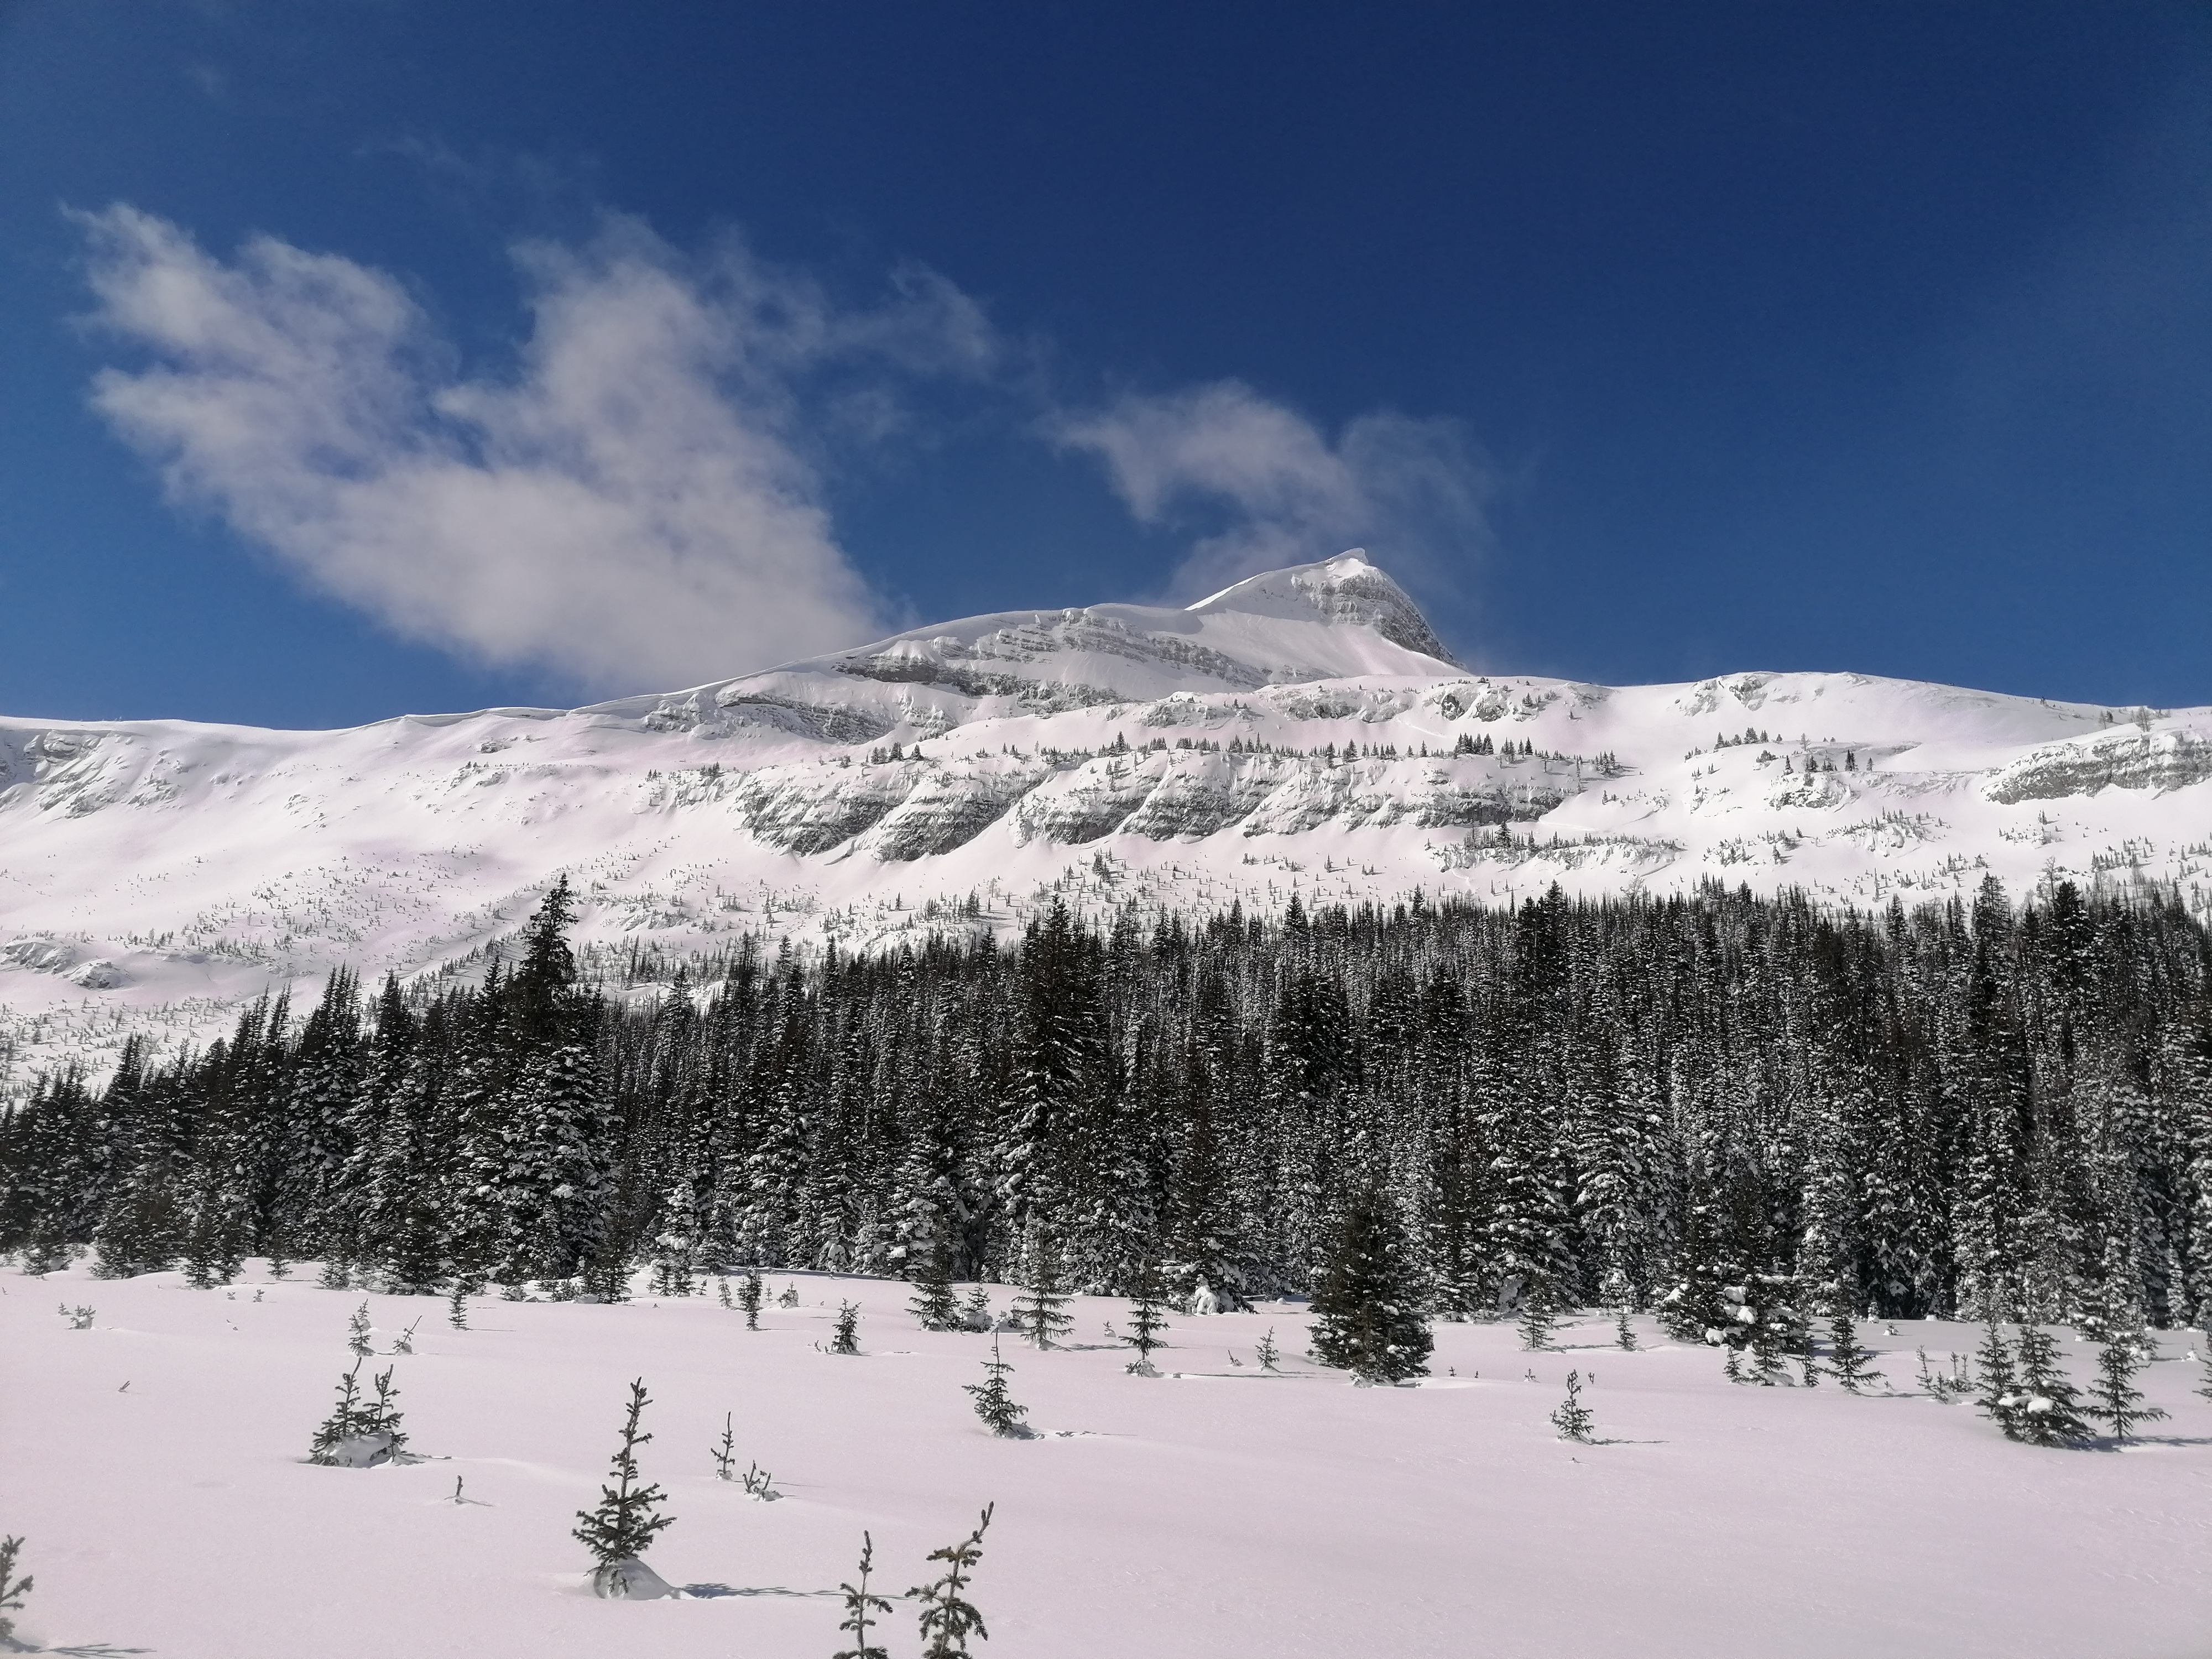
<point>1210,1514</point>
<point>153,874</point>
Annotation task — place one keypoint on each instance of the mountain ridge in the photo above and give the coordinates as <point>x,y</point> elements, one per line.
<point>1301,732</point>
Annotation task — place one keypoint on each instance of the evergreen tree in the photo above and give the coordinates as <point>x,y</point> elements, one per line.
<point>948,1618</point>
<point>380,1419</point>
<point>1848,1357</point>
<point>1040,1309</point>
<point>627,1519</point>
<point>1266,1353</point>
<point>346,1423</point>
<point>2114,1399</point>
<point>934,1303</point>
<point>1366,1316</point>
<point>846,1335</point>
<point>1999,1399</point>
<point>750,1293</point>
<point>1148,1317</point>
<point>2051,1413</point>
<point>12,1588</point>
<point>1537,1321</point>
<point>859,1604</point>
<point>1573,1419</point>
<point>994,1403</point>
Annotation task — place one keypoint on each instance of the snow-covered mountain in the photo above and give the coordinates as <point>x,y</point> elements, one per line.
<point>1302,732</point>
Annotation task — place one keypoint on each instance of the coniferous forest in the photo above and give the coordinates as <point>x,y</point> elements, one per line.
<point>1711,1108</point>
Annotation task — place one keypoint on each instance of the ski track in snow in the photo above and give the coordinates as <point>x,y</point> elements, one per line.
<point>154,875</point>
<point>1307,1517</point>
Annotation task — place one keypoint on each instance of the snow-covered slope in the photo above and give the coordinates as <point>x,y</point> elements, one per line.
<point>154,1470</point>
<point>1296,732</point>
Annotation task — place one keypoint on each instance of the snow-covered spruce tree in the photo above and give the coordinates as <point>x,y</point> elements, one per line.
<point>1848,1357</point>
<point>845,1337</point>
<point>859,1604</point>
<point>750,1293</point>
<point>2051,1412</point>
<point>2114,1399</point>
<point>995,1402</point>
<point>556,1135</point>
<point>934,1305</point>
<point>12,1588</point>
<point>1998,1396</point>
<point>1537,1321</point>
<point>1040,1308</point>
<point>345,1424</point>
<point>380,1419</point>
<point>1573,1419</point>
<point>1367,1316</point>
<point>1147,1313</point>
<point>948,1618</point>
<point>620,1529</point>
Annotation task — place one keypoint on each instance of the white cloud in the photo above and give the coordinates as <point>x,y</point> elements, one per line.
<point>634,507</point>
<point>1276,490</point>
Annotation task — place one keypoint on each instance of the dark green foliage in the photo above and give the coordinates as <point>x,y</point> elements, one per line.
<point>1573,1419</point>
<point>349,1420</point>
<point>750,1294</point>
<point>1537,1321</point>
<point>382,1415</point>
<point>2114,1399</point>
<point>1147,1311</point>
<point>934,1303</point>
<point>1266,1353</point>
<point>12,1588</point>
<point>1650,1102</point>
<point>845,1336</point>
<point>995,1402</point>
<point>626,1518</point>
<point>1848,1358</point>
<point>2051,1413</point>
<point>1041,1309</point>
<point>859,1604</point>
<point>1367,1316</point>
<point>948,1618</point>
<point>1999,1399</point>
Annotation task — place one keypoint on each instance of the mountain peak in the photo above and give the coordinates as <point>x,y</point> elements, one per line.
<point>1346,589</point>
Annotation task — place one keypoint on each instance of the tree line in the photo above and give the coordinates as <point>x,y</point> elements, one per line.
<point>1709,1106</point>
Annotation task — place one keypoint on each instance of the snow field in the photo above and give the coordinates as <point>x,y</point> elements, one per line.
<point>1212,1512</point>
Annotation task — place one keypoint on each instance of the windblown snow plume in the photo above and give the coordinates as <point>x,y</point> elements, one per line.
<point>633,505</point>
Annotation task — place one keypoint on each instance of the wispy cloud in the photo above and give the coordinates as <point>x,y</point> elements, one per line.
<point>1265,487</point>
<point>639,503</point>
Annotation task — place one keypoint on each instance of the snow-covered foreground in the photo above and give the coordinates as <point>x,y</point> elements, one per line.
<point>1215,1511</point>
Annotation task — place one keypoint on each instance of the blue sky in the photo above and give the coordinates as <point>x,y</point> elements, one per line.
<point>364,357</point>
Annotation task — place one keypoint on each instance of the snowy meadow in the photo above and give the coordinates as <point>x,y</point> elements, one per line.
<point>156,1439</point>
